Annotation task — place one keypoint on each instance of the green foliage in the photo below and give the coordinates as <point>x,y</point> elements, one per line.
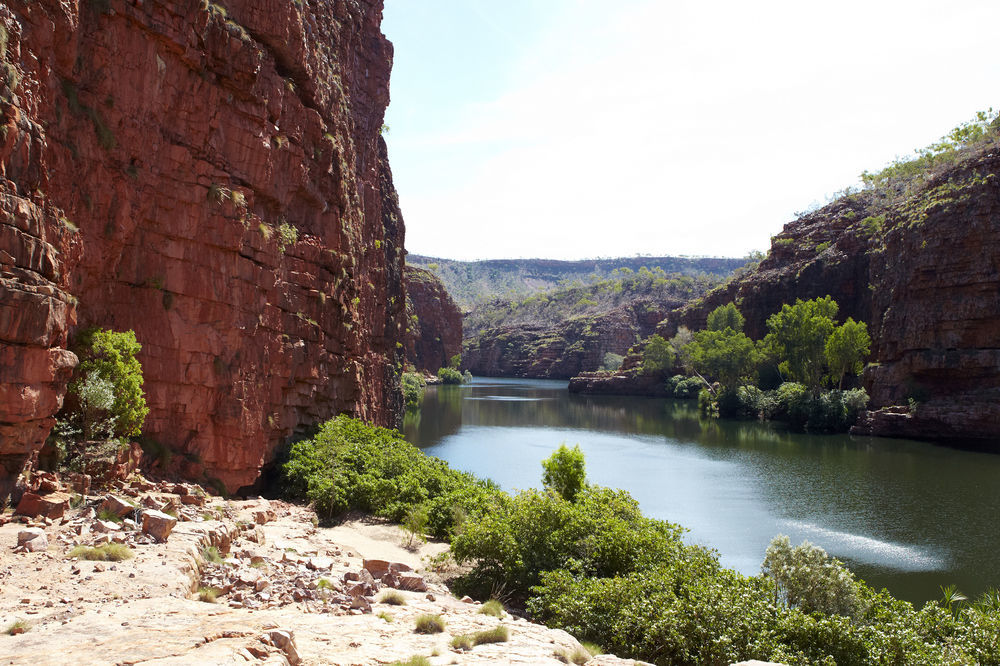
<point>413,389</point>
<point>287,235</point>
<point>429,624</point>
<point>106,398</point>
<point>807,578</point>
<point>657,356</point>
<point>211,555</point>
<point>415,523</point>
<point>450,376</point>
<point>352,465</point>
<point>612,362</point>
<point>725,317</point>
<point>684,388</point>
<point>455,361</point>
<point>208,594</point>
<point>602,533</point>
<point>727,356</point>
<point>846,349</point>
<point>565,472</point>
<point>493,608</point>
<point>798,335</point>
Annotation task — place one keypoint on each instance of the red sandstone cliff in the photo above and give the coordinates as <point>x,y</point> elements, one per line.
<point>434,322</point>
<point>920,268</point>
<point>155,158</point>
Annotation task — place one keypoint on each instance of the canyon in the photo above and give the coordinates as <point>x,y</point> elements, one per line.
<point>214,179</point>
<point>433,321</point>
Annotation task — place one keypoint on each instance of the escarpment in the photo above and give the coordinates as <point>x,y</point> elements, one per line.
<point>434,322</point>
<point>920,267</point>
<point>212,177</point>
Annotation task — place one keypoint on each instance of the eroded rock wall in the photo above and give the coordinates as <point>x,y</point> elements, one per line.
<point>212,176</point>
<point>434,322</point>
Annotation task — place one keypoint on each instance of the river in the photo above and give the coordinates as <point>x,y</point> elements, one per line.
<point>906,515</point>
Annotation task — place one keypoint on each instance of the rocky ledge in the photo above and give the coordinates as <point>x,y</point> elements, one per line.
<point>284,590</point>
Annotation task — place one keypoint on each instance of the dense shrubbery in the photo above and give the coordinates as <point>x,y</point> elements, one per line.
<point>413,384</point>
<point>351,465</point>
<point>598,568</point>
<point>683,387</point>
<point>453,376</point>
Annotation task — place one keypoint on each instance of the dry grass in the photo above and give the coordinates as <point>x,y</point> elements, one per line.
<point>429,624</point>
<point>393,598</point>
<point>108,552</point>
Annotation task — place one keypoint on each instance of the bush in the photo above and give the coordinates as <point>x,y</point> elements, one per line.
<point>106,399</point>
<point>565,472</point>
<point>809,579</point>
<point>612,362</point>
<point>685,388</point>
<point>450,376</point>
<point>828,411</point>
<point>413,385</point>
<point>657,356</point>
<point>352,465</point>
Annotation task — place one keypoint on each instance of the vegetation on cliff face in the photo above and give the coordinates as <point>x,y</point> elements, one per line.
<point>583,558</point>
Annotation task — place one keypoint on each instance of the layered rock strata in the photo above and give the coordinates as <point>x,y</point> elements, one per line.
<point>213,178</point>
<point>920,268</point>
<point>434,322</point>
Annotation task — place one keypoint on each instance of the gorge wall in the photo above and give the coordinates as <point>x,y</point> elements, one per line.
<point>434,322</point>
<point>212,177</point>
<point>920,268</point>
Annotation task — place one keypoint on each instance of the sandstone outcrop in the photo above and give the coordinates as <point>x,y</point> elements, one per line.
<point>563,350</point>
<point>434,322</point>
<point>214,179</point>
<point>920,269</point>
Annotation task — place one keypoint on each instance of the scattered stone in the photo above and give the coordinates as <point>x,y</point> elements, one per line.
<point>32,540</point>
<point>105,526</point>
<point>413,582</point>
<point>158,524</point>
<point>468,600</point>
<point>284,640</point>
<point>116,505</point>
<point>320,563</point>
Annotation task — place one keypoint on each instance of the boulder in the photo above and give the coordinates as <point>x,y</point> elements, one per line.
<point>116,505</point>
<point>51,506</point>
<point>411,581</point>
<point>158,524</point>
<point>320,563</point>
<point>32,540</point>
<point>284,640</point>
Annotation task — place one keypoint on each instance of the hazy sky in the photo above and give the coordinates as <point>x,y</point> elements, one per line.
<point>585,128</point>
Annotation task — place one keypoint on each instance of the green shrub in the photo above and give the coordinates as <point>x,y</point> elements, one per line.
<point>287,235</point>
<point>657,356</point>
<point>211,555</point>
<point>809,579</point>
<point>429,624</point>
<point>450,376</point>
<point>351,465</point>
<point>685,388</point>
<point>612,362</point>
<point>565,472</point>
<point>413,389</point>
<point>106,399</point>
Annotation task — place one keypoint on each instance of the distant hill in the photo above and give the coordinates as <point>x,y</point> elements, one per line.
<point>473,282</point>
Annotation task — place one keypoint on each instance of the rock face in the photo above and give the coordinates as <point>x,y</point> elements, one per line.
<point>434,322</point>
<point>920,269</point>
<point>566,349</point>
<point>212,178</point>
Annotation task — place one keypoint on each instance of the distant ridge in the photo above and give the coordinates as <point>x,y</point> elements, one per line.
<point>472,282</point>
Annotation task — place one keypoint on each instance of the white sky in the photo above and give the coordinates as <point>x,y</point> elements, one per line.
<point>583,128</point>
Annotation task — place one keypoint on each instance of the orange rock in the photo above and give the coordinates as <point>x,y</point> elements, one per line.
<point>50,506</point>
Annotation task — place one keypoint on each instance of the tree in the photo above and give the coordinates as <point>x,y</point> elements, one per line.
<point>679,343</point>
<point>798,338</point>
<point>657,356</point>
<point>565,472</point>
<point>727,356</point>
<point>109,357</point>
<point>846,349</point>
<point>725,316</point>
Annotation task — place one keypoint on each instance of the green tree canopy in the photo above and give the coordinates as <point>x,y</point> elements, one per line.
<point>798,338</point>
<point>727,356</point>
<point>657,356</point>
<point>846,349</point>
<point>725,316</point>
<point>110,357</point>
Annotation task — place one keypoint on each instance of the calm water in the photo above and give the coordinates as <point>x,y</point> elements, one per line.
<point>906,515</point>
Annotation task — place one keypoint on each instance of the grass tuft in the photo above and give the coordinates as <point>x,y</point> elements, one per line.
<point>208,594</point>
<point>498,634</point>
<point>211,554</point>
<point>429,624</point>
<point>18,627</point>
<point>385,616</point>
<point>393,598</point>
<point>109,515</point>
<point>578,656</point>
<point>108,552</point>
<point>415,660</point>
<point>492,607</point>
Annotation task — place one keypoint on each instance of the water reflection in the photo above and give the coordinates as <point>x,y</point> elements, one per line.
<point>907,515</point>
